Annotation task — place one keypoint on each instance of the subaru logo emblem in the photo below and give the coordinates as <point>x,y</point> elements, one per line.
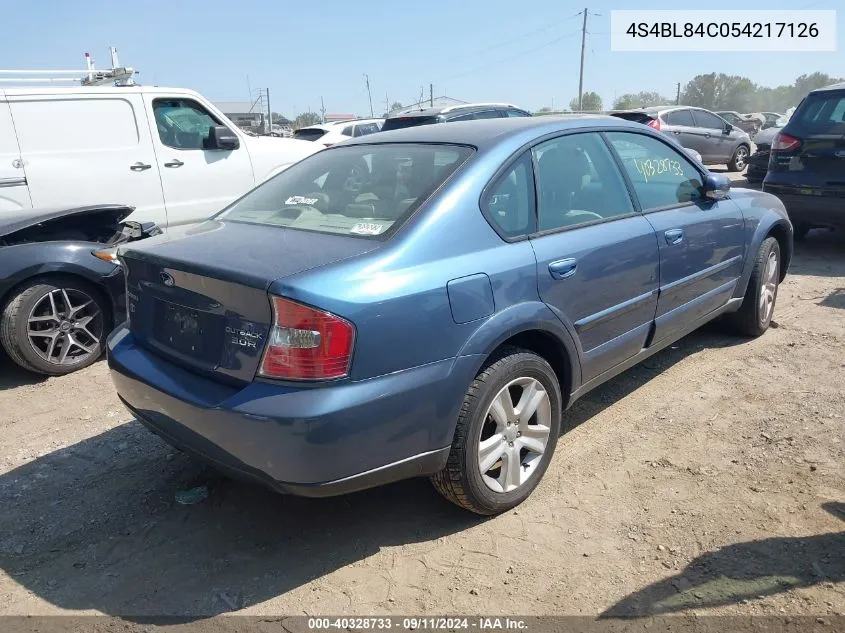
<point>167,279</point>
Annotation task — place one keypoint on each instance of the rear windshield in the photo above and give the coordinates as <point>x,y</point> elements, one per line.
<point>637,117</point>
<point>361,190</point>
<point>311,134</point>
<point>407,121</point>
<point>823,112</point>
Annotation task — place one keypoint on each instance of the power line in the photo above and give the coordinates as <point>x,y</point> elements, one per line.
<point>512,57</point>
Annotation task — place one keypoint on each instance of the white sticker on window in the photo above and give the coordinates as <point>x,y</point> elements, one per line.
<point>367,228</point>
<point>301,200</point>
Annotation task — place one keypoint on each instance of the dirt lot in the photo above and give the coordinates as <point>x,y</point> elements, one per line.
<point>710,479</point>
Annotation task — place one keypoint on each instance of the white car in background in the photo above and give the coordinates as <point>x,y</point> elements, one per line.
<point>329,134</point>
<point>167,152</point>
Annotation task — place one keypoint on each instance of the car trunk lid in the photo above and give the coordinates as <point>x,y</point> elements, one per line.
<point>199,297</point>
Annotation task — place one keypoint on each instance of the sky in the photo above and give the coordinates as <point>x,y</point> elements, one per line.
<point>473,50</point>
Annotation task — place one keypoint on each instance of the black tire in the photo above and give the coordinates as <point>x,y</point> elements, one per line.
<point>14,325</point>
<point>739,160</point>
<point>801,231</point>
<point>461,480</point>
<point>750,320</point>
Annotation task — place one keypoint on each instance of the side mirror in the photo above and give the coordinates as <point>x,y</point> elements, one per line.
<point>716,186</point>
<point>221,137</point>
<point>728,128</point>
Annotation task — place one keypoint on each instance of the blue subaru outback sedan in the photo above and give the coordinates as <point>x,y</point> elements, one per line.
<point>428,301</point>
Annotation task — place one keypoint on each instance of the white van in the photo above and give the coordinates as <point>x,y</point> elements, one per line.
<point>167,152</point>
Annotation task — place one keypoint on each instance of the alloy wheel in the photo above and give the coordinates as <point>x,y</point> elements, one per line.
<point>65,327</point>
<point>768,289</point>
<point>741,158</point>
<point>514,434</point>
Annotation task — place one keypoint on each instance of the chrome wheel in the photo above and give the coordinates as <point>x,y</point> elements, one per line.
<point>514,436</point>
<point>740,158</point>
<point>768,289</point>
<point>65,327</point>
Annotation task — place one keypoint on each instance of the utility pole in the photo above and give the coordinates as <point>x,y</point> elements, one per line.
<point>269,114</point>
<point>678,98</point>
<point>369,94</point>
<point>322,111</point>
<point>431,95</point>
<point>581,76</point>
<point>386,104</point>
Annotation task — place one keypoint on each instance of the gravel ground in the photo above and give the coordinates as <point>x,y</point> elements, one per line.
<point>709,479</point>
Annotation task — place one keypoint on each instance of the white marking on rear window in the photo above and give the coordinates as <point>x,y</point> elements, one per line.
<point>301,200</point>
<point>367,228</point>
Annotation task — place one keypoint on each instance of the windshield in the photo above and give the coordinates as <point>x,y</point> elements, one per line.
<point>361,190</point>
<point>309,134</point>
<point>407,121</point>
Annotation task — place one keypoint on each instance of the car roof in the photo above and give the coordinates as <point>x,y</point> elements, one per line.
<point>486,133</point>
<point>831,87</point>
<point>333,125</point>
<point>453,109</point>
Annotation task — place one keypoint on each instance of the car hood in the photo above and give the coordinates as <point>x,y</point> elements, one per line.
<point>765,137</point>
<point>18,220</point>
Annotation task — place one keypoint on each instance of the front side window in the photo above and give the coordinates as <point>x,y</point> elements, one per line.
<point>661,175</point>
<point>709,120</point>
<point>183,123</point>
<point>362,191</point>
<point>516,113</point>
<point>509,205</point>
<point>488,114</point>
<point>578,182</point>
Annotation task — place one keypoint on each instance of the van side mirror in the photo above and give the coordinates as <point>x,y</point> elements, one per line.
<point>716,186</point>
<point>222,138</point>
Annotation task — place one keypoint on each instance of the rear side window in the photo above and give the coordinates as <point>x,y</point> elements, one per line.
<point>679,117</point>
<point>578,182</point>
<point>822,112</point>
<point>347,131</point>
<point>662,176</point>
<point>409,121</point>
<point>362,191</point>
<point>74,125</point>
<point>488,114</point>
<point>182,123</point>
<point>309,134</point>
<point>516,113</point>
<point>366,128</point>
<point>509,204</point>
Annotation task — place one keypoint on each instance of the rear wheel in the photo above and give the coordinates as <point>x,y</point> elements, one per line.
<point>54,326</point>
<point>506,434</point>
<point>740,159</point>
<point>758,306</point>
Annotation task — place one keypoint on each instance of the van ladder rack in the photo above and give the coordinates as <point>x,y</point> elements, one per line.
<point>117,75</point>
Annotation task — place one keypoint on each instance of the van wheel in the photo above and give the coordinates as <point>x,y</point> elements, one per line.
<point>740,159</point>
<point>758,305</point>
<point>506,434</point>
<point>54,326</point>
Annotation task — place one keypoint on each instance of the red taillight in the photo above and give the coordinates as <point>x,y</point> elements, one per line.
<point>784,142</point>
<point>306,344</point>
<point>654,124</point>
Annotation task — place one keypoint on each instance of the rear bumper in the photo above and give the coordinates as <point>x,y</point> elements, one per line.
<point>808,208</point>
<point>311,441</point>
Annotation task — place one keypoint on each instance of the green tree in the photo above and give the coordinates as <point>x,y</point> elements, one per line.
<point>720,92</point>
<point>305,119</point>
<point>591,102</point>
<point>639,100</point>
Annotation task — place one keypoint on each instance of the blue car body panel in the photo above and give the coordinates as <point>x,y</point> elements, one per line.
<point>429,306</point>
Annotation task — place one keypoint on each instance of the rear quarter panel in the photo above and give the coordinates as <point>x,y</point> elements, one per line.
<point>763,213</point>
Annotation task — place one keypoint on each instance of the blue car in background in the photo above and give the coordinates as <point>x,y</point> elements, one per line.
<point>428,301</point>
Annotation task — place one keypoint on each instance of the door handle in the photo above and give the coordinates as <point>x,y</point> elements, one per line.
<point>139,166</point>
<point>674,236</point>
<point>174,163</point>
<point>563,268</point>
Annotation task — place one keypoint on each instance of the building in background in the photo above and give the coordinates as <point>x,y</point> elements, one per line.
<point>334,118</point>
<point>245,115</point>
